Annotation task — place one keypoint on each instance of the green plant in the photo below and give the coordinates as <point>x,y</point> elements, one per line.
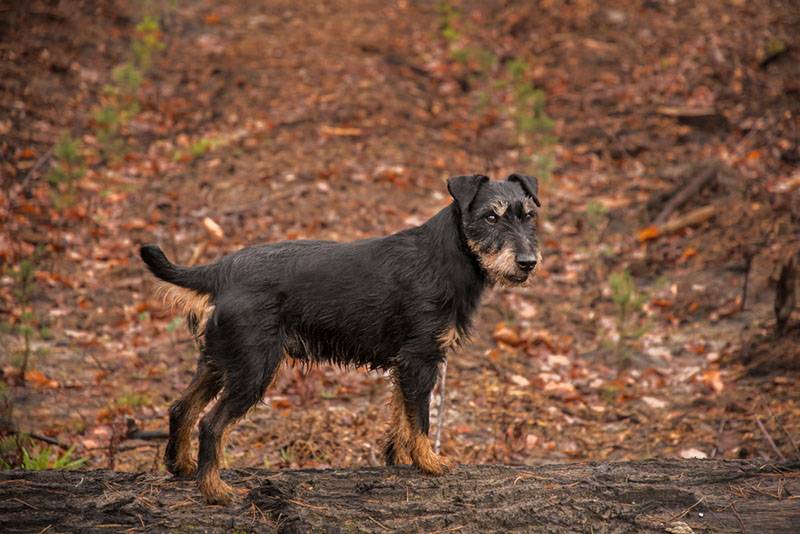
<point>47,458</point>
<point>148,42</point>
<point>67,163</point>
<point>288,455</point>
<point>448,18</point>
<point>595,220</point>
<point>120,101</point>
<point>628,301</point>
<point>26,325</point>
<point>132,400</point>
<point>200,147</point>
<point>596,215</point>
<point>510,83</point>
<point>196,150</point>
<point>174,324</point>
<point>18,451</point>
<point>533,127</point>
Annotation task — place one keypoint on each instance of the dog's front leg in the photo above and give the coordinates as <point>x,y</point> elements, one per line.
<point>414,380</point>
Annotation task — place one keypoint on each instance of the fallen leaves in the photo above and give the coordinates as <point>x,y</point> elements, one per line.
<point>33,377</point>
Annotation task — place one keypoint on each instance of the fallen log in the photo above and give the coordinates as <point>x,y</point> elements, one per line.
<point>643,496</point>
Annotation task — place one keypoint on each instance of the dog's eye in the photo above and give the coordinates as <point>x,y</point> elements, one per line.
<point>491,218</point>
<point>528,215</point>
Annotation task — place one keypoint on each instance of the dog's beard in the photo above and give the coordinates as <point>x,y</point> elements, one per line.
<point>501,267</point>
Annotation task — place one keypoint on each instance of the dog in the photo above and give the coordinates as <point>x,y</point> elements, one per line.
<point>398,303</point>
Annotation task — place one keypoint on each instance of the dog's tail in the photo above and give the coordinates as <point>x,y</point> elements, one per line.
<point>201,279</point>
<point>189,290</point>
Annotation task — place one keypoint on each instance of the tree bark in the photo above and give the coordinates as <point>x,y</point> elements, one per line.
<point>678,496</point>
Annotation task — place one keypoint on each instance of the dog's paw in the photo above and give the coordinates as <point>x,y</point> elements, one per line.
<point>434,464</point>
<point>185,469</point>
<point>218,492</point>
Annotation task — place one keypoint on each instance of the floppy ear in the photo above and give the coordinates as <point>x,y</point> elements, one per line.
<point>529,184</point>
<point>464,188</point>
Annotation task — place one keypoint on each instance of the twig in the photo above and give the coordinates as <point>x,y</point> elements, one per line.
<point>39,163</point>
<point>378,523</point>
<point>133,431</point>
<point>707,173</point>
<point>12,428</point>
<point>717,446</point>
<point>693,217</point>
<point>306,505</point>
<point>437,444</point>
<point>526,474</point>
<point>769,439</point>
<point>783,428</point>
<point>785,293</point>
<point>738,517</point>
<point>23,502</point>
<point>683,513</point>
<point>748,263</point>
<point>147,434</point>
<point>46,439</point>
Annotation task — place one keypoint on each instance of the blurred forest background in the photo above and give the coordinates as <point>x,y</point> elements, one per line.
<point>664,134</point>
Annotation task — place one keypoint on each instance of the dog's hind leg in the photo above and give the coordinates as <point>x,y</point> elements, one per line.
<point>183,415</point>
<point>414,380</point>
<point>243,387</point>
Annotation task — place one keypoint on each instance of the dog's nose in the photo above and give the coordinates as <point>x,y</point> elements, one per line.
<point>526,262</point>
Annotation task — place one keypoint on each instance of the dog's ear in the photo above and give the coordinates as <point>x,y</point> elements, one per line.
<point>464,188</point>
<point>529,184</point>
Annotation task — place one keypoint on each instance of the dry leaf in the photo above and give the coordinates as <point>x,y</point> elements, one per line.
<point>649,233</point>
<point>713,379</point>
<point>692,453</point>
<point>342,132</point>
<point>37,378</point>
<point>562,390</point>
<point>504,334</point>
<point>213,229</point>
<point>655,403</point>
<point>520,380</point>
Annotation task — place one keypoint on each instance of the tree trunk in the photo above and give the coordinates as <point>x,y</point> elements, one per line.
<point>678,496</point>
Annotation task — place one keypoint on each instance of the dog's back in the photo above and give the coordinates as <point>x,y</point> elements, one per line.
<point>347,303</point>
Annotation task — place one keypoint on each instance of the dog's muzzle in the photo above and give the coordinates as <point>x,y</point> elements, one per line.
<point>526,262</point>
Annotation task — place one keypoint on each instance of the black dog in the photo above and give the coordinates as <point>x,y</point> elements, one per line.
<point>396,303</point>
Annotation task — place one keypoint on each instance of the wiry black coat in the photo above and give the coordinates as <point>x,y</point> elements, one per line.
<point>345,303</point>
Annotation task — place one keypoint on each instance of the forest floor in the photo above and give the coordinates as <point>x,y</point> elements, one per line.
<point>237,123</point>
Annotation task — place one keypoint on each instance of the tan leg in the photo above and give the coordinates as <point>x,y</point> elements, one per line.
<point>183,416</point>
<point>408,443</point>
<point>399,439</point>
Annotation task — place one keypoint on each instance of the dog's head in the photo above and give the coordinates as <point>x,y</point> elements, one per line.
<point>499,220</point>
